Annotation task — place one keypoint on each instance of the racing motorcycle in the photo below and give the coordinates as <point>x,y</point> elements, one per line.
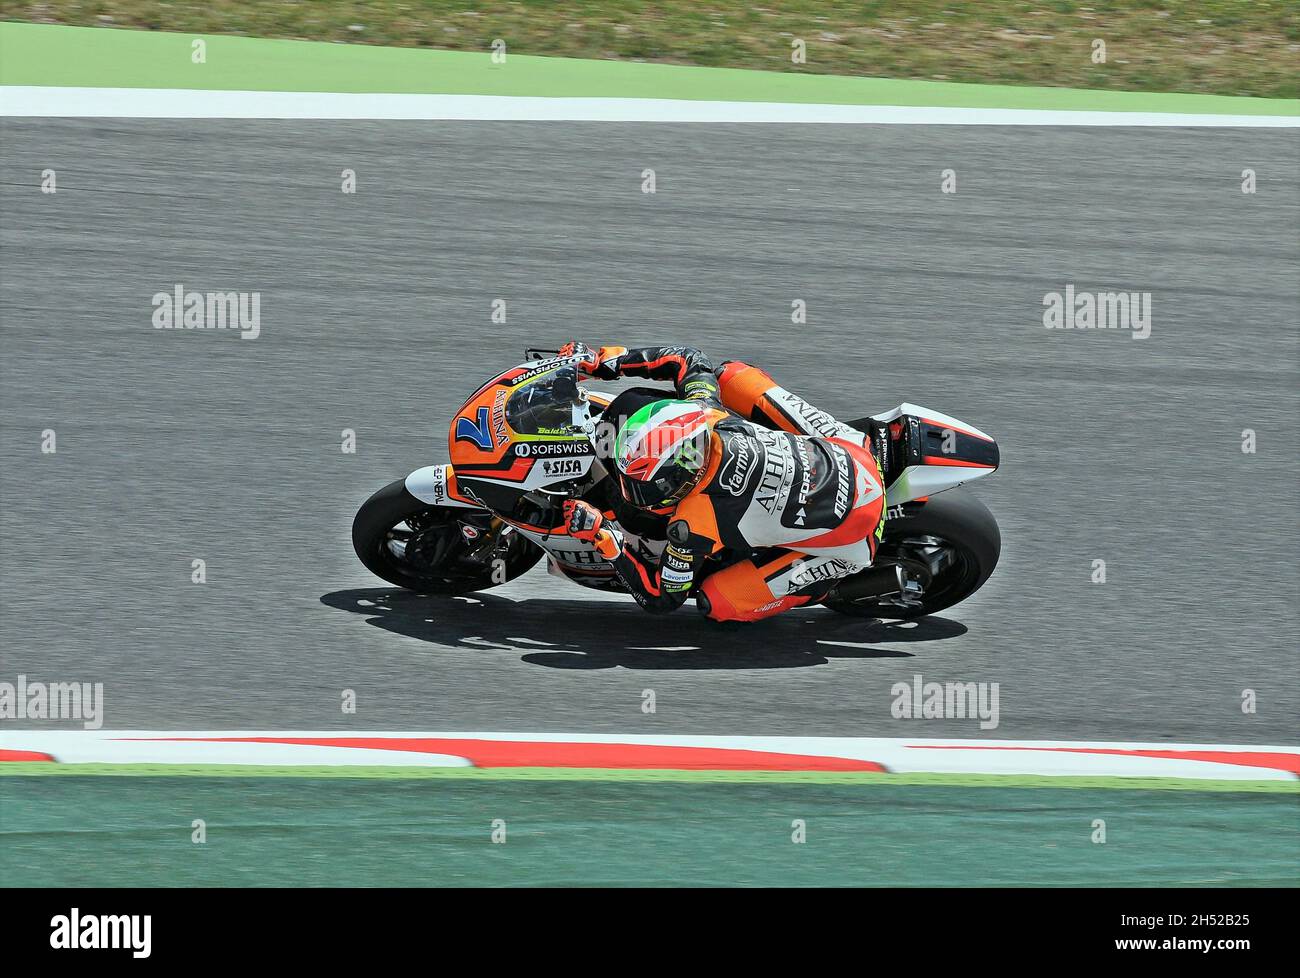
<point>533,437</point>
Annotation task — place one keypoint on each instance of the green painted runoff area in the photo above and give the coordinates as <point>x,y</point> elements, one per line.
<point>89,830</point>
<point>43,54</point>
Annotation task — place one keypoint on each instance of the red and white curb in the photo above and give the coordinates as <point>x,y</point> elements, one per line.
<point>653,752</point>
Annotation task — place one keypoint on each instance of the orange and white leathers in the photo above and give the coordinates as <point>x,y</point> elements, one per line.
<point>785,482</point>
<point>813,494</point>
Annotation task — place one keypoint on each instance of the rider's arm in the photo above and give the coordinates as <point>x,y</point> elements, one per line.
<point>657,587</point>
<point>690,370</point>
<point>754,395</point>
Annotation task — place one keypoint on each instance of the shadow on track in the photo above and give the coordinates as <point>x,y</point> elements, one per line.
<point>604,634</point>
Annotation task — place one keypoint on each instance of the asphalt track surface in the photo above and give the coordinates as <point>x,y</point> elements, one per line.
<point>176,445</point>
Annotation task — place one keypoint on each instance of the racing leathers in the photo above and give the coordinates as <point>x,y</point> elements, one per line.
<point>784,482</point>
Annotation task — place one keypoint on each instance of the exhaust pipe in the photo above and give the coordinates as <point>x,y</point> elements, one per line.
<point>876,582</point>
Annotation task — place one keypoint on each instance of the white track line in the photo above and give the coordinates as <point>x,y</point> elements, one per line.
<point>172,103</point>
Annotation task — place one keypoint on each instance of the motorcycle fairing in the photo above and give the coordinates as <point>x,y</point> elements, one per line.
<point>923,452</point>
<point>437,486</point>
<point>518,433</point>
<point>579,562</point>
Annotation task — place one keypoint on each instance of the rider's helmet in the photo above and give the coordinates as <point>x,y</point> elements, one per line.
<point>661,452</point>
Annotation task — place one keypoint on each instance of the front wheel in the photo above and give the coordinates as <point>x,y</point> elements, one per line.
<point>947,548</point>
<point>414,545</point>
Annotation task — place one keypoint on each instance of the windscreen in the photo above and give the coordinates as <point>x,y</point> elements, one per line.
<point>545,406</point>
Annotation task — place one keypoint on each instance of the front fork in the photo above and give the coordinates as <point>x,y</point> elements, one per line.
<point>486,536</point>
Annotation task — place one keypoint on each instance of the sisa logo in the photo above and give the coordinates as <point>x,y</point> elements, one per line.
<point>562,466</point>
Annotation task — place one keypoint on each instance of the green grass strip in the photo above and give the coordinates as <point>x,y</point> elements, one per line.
<point>611,774</point>
<point>1221,47</point>
<point>41,54</point>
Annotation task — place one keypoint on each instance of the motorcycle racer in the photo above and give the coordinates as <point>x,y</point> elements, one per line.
<point>736,462</point>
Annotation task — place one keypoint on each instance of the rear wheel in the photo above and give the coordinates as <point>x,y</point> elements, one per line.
<point>947,548</point>
<point>414,545</point>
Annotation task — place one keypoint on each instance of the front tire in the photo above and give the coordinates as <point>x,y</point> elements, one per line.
<point>414,545</point>
<point>952,544</point>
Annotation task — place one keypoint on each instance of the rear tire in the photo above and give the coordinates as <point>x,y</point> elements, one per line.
<point>433,551</point>
<point>963,527</point>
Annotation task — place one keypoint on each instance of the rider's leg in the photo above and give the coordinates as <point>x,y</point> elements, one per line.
<point>859,533</point>
<point>776,580</point>
<point>751,392</point>
<point>769,583</point>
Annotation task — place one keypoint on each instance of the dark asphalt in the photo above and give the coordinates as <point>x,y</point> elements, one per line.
<point>176,445</point>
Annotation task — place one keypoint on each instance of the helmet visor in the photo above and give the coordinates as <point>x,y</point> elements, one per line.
<point>663,490</point>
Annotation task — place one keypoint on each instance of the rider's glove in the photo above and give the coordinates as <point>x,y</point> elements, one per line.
<point>584,522</point>
<point>593,363</point>
<point>588,359</point>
